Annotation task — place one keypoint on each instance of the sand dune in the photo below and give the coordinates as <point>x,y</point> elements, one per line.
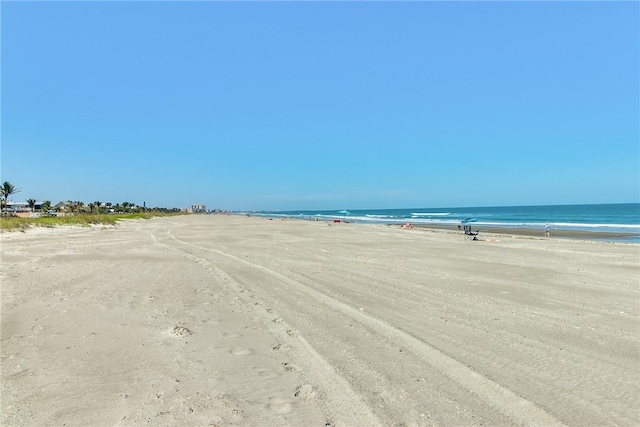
<point>225,320</point>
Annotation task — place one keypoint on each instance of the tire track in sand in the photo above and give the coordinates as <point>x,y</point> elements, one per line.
<point>343,405</point>
<point>504,400</point>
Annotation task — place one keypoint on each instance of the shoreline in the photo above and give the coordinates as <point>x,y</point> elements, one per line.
<point>600,236</point>
<point>597,236</point>
<point>593,236</point>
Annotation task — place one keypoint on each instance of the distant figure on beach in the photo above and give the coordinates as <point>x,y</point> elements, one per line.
<point>407,225</point>
<point>459,226</point>
<point>547,230</point>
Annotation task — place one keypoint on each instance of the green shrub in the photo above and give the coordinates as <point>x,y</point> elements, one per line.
<point>83,220</point>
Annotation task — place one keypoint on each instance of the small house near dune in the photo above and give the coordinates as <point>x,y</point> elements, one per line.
<point>60,206</point>
<point>198,208</point>
<point>65,209</point>
<point>22,207</point>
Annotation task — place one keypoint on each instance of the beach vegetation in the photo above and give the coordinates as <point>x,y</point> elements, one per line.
<point>45,206</point>
<point>15,223</point>
<point>6,190</point>
<point>32,204</point>
<point>97,205</point>
<point>70,212</point>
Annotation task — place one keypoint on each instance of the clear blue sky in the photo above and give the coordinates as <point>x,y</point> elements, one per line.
<point>322,105</point>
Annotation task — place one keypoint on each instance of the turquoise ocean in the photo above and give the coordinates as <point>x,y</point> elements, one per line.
<point>609,218</point>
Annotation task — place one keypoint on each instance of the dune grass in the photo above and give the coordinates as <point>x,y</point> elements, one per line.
<point>83,220</point>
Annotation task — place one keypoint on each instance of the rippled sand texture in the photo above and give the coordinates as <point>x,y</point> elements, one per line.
<point>223,320</point>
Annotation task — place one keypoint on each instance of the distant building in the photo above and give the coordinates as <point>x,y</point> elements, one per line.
<point>22,206</point>
<point>198,208</point>
<point>60,206</point>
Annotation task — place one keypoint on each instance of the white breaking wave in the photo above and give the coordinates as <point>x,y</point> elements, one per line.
<point>430,213</point>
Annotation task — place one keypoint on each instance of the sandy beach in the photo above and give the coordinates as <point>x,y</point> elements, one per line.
<point>212,320</point>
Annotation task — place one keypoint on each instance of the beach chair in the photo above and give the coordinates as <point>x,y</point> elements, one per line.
<point>469,234</point>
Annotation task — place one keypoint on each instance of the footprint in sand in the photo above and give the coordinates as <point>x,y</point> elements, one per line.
<point>210,321</point>
<point>231,335</point>
<point>240,351</point>
<point>180,331</point>
<point>280,405</point>
<point>269,375</point>
<point>305,392</point>
<point>290,367</point>
<point>280,347</point>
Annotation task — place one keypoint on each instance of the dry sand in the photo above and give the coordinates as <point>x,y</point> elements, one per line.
<point>223,320</point>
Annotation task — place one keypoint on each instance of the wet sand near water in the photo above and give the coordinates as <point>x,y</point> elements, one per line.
<point>539,233</point>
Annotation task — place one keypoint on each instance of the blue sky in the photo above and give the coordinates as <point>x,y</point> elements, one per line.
<point>321,105</point>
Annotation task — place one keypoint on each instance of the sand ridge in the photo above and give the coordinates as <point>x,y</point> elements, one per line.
<point>226,320</point>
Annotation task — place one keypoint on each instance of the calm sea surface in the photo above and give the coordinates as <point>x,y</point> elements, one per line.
<point>611,218</point>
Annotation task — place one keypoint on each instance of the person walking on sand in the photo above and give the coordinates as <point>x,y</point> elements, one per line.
<point>547,230</point>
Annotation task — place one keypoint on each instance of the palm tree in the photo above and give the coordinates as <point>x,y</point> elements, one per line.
<point>97,205</point>
<point>75,207</point>
<point>32,203</point>
<point>6,190</point>
<point>45,206</point>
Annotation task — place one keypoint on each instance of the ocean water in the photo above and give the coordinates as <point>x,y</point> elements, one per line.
<point>610,218</point>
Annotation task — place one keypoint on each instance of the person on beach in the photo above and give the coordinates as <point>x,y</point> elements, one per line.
<point>547,230</point>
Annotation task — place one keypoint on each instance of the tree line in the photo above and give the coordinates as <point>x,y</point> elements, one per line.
<point>73,207</point>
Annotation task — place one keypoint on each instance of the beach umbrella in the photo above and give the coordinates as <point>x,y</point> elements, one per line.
<point>467,220</point>
<point>344,213</point>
